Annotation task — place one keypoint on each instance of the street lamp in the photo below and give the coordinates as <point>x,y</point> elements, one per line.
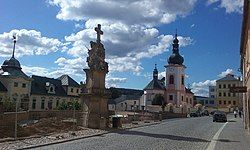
<point>15,136</point>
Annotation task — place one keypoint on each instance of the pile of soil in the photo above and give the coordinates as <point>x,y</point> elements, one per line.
<point>42,127</point>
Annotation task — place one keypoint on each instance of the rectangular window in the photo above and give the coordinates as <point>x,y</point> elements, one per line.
<point>224,86</point>
<point>190,100</point>
<point>224,94</point>
<point>219,94</point>
<point>229,94</point>
<point>171,97</point>
<point>229,102</point>
<point>72,90</point>
<point>220,102</point>
<point>42,104</point>
<point>229,85</point>
<point>77,90</point>
<point>234,94</point>
<point>15,84</point>
<point>212,96</point>
<point>57,103</point>
<point>181,98</point>
<point>234,102</point>
<point>182,80</point>
<point>34,104</point>
<point>206,102</point>
<point>212,90</point>
<point>187,100</point>
<point>225,102</point>
<point>233,85</point>
<point>219,86</point>
<point>24,85</point>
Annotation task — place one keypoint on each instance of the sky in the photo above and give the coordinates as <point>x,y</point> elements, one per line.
<point>53,38</point>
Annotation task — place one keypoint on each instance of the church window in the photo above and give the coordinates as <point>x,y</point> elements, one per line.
<point>171,79</point>
<point>182,80</point>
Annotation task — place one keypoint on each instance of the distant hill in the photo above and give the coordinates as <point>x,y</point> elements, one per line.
<point>117,92</point>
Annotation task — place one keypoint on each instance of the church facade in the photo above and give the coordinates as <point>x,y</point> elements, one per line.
<point>172,86</point>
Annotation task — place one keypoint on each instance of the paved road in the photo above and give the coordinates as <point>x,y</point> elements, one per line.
<point>176,134</point>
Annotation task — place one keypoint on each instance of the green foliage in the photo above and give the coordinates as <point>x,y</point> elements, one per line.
<point>69,105</point>
<point>8,105</point>
<point>158,100</point>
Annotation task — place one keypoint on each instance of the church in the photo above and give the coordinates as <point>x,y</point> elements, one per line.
<point>172,86</point>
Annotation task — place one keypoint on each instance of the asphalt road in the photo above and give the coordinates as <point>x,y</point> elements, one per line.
<point>173,134</point>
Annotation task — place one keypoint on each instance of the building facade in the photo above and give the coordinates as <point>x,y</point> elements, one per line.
<point>34,93</point>
<point>245,61</point>
<point>226,99</point>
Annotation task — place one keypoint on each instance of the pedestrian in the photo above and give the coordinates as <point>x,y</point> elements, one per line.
<point>240,113</point>
<point>235,113</point>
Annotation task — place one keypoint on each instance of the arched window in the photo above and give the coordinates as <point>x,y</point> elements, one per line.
<point>171,79</point>
<point>182,80</point>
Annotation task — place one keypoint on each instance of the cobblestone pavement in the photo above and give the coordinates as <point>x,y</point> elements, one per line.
<point>177,134</point>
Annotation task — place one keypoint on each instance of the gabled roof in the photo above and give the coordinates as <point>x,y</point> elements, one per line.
<point>155,85</point>
<point>188,91</point>
<point>68,81</point>
<point>228,77</point>
<point>38,86</point>
<point>2,87</point>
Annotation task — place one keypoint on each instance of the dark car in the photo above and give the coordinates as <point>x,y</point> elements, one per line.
<point>193,114</point>
<point>205,113</point>
<point>219,117</point>
<point>212,112</point>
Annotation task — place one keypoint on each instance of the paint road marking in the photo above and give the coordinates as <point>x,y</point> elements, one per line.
<point>212,144</point>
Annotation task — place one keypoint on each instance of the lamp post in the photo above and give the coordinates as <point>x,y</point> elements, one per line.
<point>15,136</point>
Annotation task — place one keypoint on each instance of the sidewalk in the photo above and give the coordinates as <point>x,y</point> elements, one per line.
<point>30,143</point>
<point>233,136</point>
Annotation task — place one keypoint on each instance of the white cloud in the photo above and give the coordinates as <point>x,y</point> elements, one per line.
<point>201,88</point>
<point>115,81</point>
<point>231,6</point>
<point>29,42</point>
<point>129,12</point>
<point>224,73</point>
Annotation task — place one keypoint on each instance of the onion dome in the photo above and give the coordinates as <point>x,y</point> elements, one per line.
<point>175,57</point>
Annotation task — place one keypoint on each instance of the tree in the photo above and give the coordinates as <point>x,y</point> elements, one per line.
<point>8,105</point>
<point>158,99</point>
<point>69,105</point>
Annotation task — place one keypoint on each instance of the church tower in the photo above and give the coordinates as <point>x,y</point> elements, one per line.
<point>175,76</point>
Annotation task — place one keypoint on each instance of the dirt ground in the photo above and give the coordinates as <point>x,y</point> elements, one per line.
<point>42,127</point>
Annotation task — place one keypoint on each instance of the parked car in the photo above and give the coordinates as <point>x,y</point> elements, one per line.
<point>195,114</point>
<point>205,113</point>
<point>212,112</point>
<point>219,116</point>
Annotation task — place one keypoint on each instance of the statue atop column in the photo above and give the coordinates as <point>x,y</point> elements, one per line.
<point>95,98</point>
<point>96,59</point>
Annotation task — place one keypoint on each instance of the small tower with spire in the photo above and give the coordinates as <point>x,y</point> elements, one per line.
<point>155,73</point>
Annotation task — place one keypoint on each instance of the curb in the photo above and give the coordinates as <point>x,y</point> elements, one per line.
<point>83,137</point>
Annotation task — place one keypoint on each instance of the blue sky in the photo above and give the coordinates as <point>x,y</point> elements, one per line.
<point>52,36</point>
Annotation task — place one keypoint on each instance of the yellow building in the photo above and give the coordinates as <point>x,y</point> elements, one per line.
<point>226,99</point>
<point>245,61</point>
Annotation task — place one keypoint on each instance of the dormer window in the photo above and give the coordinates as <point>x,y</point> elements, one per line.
<point>51,89</point>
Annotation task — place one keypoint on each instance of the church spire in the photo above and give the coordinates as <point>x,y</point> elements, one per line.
<point>155,73</point>
<point>175,43</point>
<point>14,47</point>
